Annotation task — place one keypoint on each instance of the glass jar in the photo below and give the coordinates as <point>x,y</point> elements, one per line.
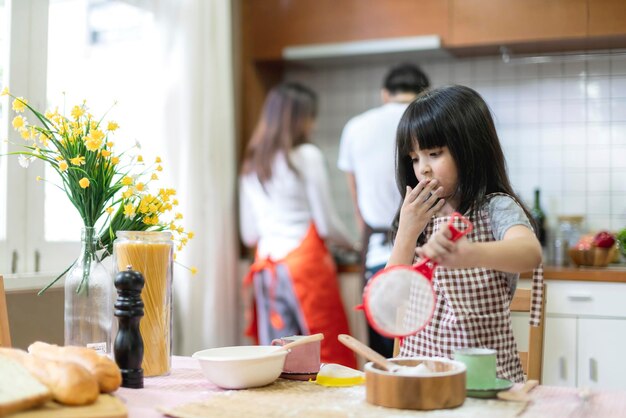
<point>89,298</point>
<point>568,232</point>
<point>151,254</point>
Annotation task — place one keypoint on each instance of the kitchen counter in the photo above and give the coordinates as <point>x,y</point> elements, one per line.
<point>614,273</point>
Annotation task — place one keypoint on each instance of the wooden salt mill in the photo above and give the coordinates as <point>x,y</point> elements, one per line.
<point>128,346</point>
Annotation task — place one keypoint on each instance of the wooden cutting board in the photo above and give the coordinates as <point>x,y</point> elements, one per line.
<point>106,406</point>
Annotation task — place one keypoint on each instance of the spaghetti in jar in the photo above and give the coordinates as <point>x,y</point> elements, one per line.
<point>151,254</point>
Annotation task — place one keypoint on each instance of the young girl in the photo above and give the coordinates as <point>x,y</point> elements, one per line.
<point>287,212</point>
<point>449,159</point>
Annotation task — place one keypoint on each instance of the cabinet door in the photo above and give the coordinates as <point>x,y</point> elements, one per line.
<point>559,352</point>
<point>601,353</point>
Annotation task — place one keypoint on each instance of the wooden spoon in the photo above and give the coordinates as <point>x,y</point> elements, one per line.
<point>360,348</point>
<point>303,340</point>
<point>520,395</point>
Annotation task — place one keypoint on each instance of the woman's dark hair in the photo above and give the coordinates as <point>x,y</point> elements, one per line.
<point>405,78</point>
<point>456,117</point>
<point>283,125</point>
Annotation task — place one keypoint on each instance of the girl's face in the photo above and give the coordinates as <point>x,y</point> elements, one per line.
<point>438,164</point>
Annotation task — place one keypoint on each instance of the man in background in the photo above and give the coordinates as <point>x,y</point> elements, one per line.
<point>366,154</point>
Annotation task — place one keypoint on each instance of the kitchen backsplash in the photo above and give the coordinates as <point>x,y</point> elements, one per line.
<point>562,126</point>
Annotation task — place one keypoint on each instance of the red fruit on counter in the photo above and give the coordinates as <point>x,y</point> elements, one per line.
<point>603,240</point>
<point>585,242</point>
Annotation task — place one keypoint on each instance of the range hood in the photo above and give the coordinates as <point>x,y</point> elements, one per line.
<point>405,47</point>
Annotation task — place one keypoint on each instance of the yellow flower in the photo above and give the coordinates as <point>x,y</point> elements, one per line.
<point>110,210</point>
<point>129,210</point>
<point>110,144</point>
<point>77,112</point>
<point>154,208</point>
<point>178,216</point>
<point>115,160</point>
<point>43,138</point>
<point>154,177</point>
<point>127,181</point>
<point>38,178</point>
<point>159,168</point>
<point>19,104</point>
<point>25,133</point>
<point>139,187</point>
<point>97,134</point>
<point>175,202</point>
<point>19,122</point>
<point>194,270</point>
<point>128,193</point>
<point>106,153</point>
<point>139,159</point>
<point>5,92</point>
<point>191,235</point>
<point>63,166</point>
<point>158,160</point>
<point>84,182</point>
<point>93,144</point>
<point>112,126</point>
<point>77,160</point>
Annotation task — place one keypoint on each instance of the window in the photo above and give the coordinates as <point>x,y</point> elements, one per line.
<point>101,51</point>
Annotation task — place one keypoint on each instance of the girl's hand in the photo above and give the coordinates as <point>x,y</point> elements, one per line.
<point>419,205</point>
<point>445,252</point>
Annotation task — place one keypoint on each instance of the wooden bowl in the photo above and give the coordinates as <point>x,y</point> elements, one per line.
<point>445,388</point>
<point>596,257</point>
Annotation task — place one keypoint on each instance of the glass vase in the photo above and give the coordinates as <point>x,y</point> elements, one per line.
<point>151,254</point>
<point>89,298</point>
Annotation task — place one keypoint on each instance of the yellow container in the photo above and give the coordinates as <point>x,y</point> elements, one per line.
<point>151,254</point>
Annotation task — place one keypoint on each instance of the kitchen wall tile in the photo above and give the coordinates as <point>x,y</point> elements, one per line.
<point>618,64</point>
<point>618,133</point>
<point>599,181</point>
<point>598,88</point>
<point>551,88</point>
<point>598,134</point>
<point>562,125</point>
<point>599,66</point>
<point>618,86</point>
<point>617,223</point>
<point>598,110</point>
<point>597,222</point>
<point>574,88</point>
<point>575,68</point>
<point>599,204</point>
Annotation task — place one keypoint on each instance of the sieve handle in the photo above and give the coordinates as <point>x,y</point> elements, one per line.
<point>426,267</point>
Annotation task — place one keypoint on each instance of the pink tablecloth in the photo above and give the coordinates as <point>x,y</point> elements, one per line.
<point>187,384</point>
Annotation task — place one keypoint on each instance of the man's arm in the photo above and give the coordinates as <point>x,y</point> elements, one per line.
<point>352,186</point>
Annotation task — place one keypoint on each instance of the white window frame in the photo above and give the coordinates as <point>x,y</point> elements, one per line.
<point>26,76</point>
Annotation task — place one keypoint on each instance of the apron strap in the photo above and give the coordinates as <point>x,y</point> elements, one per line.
<point>536,298</point>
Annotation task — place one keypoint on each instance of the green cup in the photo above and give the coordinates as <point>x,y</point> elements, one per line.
<point>481,367</point>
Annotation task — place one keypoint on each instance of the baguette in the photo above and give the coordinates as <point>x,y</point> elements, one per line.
<point>104,369</point>
<point>19,389</point>
<point>70,383</point>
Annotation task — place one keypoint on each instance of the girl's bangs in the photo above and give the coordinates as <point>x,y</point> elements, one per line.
<point>426,129</point>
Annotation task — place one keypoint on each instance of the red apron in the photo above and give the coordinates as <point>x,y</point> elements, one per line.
<point>314,280</point>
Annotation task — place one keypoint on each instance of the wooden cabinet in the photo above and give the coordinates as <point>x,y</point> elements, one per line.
<point>607,17</point>
<point>585,334</point>
<point>274,24</point>
<point>483,22</point>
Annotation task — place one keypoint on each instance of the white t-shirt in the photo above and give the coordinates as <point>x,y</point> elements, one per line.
<point>277,217</point>
<point>367,150</point>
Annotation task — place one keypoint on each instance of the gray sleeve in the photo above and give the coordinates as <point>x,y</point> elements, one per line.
<point>504,213</point>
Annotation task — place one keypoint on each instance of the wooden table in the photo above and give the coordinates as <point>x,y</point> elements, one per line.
<point>186,384</point>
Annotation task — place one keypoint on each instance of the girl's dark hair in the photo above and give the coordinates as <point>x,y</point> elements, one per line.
<point>456,117</point>
<point>283,125</point>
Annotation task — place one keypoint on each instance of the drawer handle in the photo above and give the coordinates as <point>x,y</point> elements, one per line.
<point>593,370</point>
<point>579,298</point>
<point>562,368</point>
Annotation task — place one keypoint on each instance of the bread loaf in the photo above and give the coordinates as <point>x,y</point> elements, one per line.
<point>19,389</point>
<point>102,367</point>
<point>70,383</point>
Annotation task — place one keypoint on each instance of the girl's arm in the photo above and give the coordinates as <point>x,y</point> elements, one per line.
<point>517,252</point>
<point>419,205</point>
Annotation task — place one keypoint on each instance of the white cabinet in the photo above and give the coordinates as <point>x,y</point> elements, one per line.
<point>585,333</point>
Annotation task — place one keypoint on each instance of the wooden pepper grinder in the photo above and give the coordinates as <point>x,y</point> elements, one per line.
<point>128,347</point>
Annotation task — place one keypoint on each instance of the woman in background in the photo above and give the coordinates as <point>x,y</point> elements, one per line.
<point>287,212</point>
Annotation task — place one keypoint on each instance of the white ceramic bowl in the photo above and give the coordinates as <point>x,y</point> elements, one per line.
<point>241,367</point>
